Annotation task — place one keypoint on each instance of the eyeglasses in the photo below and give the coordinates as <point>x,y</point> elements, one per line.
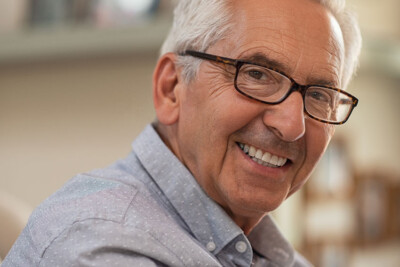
<point>271,86</point>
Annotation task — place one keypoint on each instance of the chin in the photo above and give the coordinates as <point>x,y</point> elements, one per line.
<point>252,206</point>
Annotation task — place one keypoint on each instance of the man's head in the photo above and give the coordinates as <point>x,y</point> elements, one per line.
<point>210,126</point>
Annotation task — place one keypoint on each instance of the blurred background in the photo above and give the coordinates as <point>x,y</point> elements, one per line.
<point>75,91</point>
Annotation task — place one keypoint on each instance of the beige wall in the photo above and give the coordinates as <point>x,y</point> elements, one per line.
<point>61,118</point>
<point>373,132</point>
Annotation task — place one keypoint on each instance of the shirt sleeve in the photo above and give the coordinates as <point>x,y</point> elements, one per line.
<point>106,243</point>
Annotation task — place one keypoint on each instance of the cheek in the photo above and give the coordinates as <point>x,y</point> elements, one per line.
<point>206,120</point>
<point>317,139</point>
<point>217,108</point>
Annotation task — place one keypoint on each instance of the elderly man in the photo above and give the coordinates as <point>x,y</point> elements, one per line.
<point>247,94</point>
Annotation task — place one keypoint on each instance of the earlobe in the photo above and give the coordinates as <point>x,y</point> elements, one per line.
<point>166,90</point>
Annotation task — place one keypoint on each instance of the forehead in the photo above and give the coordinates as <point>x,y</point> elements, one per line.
<point>301,35</point>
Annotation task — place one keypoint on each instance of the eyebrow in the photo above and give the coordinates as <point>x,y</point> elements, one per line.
<point>321,82</point>
<point>262,60</point>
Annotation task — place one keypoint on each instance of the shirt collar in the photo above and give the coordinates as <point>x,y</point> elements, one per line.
<point>207,221</point>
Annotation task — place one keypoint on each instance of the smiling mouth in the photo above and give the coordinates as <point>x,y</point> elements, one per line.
<point>263,158</point>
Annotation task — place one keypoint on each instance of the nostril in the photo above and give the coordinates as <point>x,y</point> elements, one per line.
<point>276,132</point>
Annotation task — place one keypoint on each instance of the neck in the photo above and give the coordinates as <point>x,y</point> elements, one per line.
<point>167,136</point>
<point>247,224</point>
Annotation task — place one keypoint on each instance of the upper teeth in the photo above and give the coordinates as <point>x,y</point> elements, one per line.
<point>263,158</point>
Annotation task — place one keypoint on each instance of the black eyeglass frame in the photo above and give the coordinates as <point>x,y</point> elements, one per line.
<point>295,87</point>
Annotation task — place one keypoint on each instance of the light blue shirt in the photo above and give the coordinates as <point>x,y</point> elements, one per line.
<point>145,210</point>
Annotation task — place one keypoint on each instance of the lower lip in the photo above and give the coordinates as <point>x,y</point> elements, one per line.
<point>271,172</point>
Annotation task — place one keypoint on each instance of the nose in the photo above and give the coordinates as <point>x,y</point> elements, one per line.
<point>286,119</point>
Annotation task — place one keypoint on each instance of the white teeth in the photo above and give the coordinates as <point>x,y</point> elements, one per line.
<point>252,151</point>
<point>282,161</point>
<point>266,157</point>
<point>259,154</point>
<point>263,158</point>
<point>274,160</point>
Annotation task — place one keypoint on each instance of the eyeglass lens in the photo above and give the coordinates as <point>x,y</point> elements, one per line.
<point>271,87</point>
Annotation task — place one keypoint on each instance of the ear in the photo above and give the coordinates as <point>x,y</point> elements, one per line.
<point>166,88</point>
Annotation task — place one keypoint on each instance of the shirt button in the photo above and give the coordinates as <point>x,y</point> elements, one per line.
<point>241,246</point>
<point>211,246</point>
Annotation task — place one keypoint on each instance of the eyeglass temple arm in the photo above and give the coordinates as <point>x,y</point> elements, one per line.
<point>219,59</point>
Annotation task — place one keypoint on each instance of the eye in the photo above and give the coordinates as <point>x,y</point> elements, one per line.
<point>257,74</point>
<point>319,95</point>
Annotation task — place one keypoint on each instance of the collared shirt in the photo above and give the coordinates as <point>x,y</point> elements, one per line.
<point>144,210</point>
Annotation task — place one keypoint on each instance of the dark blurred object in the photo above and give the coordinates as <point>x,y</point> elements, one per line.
<point>98,12</point>
<point>50,12</point>
<point>82,10</point>
<point>379,207</point>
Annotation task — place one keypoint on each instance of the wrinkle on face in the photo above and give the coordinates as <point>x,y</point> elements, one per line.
<point>218,86</point>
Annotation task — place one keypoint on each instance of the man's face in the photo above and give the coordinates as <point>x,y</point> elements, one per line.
<point>215,121</point>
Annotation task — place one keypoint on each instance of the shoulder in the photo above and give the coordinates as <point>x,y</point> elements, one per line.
<point>82,198</point>
<point>85,197</point>
<point>94,219</point>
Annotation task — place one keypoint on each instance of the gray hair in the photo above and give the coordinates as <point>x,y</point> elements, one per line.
<point>351,36</point>
<point>198,24</point>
